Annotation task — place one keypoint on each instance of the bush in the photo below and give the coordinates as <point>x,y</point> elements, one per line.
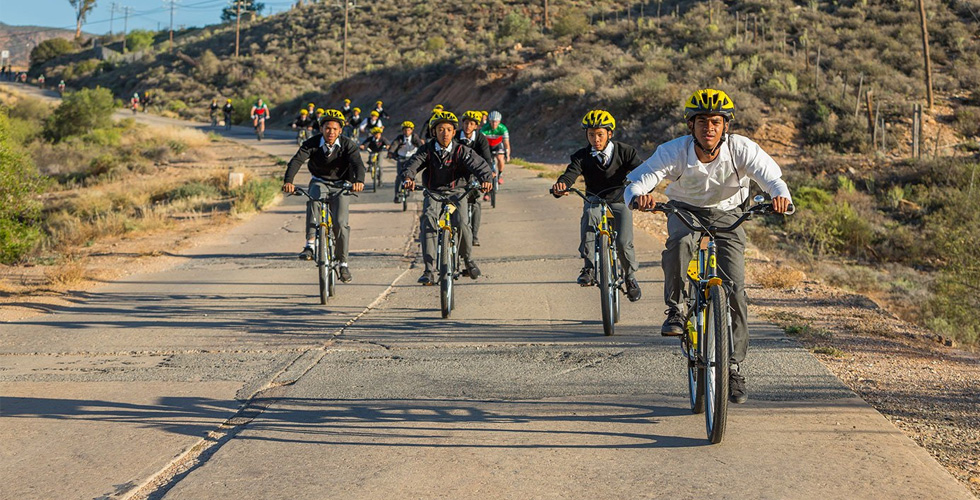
<point>515,25</point>
<point>19,208</point>
<point>967,121</point>
<point>255,195</point>
<point>80,112</point>
<point>49,49</point>
<point>139,40</point>
<point>572,22</point>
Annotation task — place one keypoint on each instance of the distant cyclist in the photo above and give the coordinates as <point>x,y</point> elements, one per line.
<point>303,124</point>
<point>317,115</point>
<point>329,157</point>
<point>311,110</point>
<point>260,112</point>
<point>354,124</point>
<point>604,164</point>
<point>709,172</point>
<point>435,110</point>
<point>346,109</point>
<point>61,87</point>
<point>373,121</point>
<point>402,148</point>
<point>375,143</point>
<point>228,109</point>
<point>499,139</point>
<point>470,136</point>
<point>40,82</point>
<point>213,112</point>
<point>379,107</point>
<point>134,103</point>
<point>446,167</point>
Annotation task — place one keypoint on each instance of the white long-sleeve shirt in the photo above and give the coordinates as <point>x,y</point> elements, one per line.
<point>721,184</point>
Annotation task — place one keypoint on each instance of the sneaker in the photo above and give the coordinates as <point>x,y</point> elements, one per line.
<point>306,254</point>
<point>674,325</point>
<point>472,270</point>
<point>736,387</point>
<point>397,199</point>
<point>344,274</point>
<point>586,277</point>
<point>500,179</point>
<point>476,241</point>
<point>427,279</point>
<point>486,197</point>
<point>633,290</point>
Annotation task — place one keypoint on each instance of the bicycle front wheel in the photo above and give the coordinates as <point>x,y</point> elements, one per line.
<point>493,193</point>
<point>614,267</point>
<point>331,267</point>
<point>322,264</point>
<point>695,370</point>
<point>404,202</point>
<point>716,357</point>
<point>607,288</point>
<point>446,274</point>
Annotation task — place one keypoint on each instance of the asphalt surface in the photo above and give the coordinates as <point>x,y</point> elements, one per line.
<point>223,377</point>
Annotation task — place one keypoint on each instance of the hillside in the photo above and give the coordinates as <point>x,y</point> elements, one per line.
<point>19,40</point>
<point>874,219</point>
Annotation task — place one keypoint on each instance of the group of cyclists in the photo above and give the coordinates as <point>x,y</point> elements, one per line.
<point>709,171</point>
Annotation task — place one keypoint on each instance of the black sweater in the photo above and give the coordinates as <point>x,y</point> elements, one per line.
<point>441,175</point>
<point>343,164</point>
<point>599,178</point>
<point>481,145</point>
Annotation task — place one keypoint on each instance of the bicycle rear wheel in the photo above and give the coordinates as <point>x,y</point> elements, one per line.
<point>607,289</point>
<point>404,202</point>
<point>322,264</point>
<point>331,267</point>
<point>493,193</point>
<point>614,267</point>
<point>446,274</point>
<point>717,363</point>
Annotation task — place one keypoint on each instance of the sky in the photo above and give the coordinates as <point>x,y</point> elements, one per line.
<point>147,14</point>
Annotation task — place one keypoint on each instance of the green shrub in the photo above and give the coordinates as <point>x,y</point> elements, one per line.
<point>20,209</point>
<point>80,112</point>
<point>50,49</point>
<point>139,40</point>
<point>967,121</point>
<point>515,25</point>
<point>435,43</point>
<point>176,105</point>
<point>255,194</point>
<point>572,22</point>
<point>196,189</point>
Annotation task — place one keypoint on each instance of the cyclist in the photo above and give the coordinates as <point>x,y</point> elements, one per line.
<point>402,148</point>
<point>228,109</point>
<point>379,107</point>
<point>604,164</point>
<point>709,172</point>
<point>134,103</point>
<point>329,157</point>
<point>374,120</point>
<point>346,110</point>
<point>213,111</point>
<point>311,109</point>
<point>375,144</point>
<point>470,136</point>
<point>259,113</point>
<point>447,165</point>
<point>318,114</point>
<point>499,139</point>
<point>354,123</point>
<point>304,122</point>
<point>40,82</point>
<point>435,110</point>
<point>485,114</point>
<point>61,87</point>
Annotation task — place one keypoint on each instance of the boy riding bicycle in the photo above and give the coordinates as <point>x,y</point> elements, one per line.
<point>446,167</point>
<point>604,164</point>
<point>329,157</point>
<point>709,172</point>
<point>469,135</point>
<point>402,148</point>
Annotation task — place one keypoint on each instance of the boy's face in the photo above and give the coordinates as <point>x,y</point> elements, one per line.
<point>407,131</point>
<point>377,136</point>
<point>708,129</point>
<point>444,133</point>
<point>331,131</point>
<point>469,126</point>
<point>598,137</point>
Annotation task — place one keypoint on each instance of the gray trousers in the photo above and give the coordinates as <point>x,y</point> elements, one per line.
<point>430,230</point>
<point>623,222</point>
<point>681,248</point>
<point>476,199</point>
<point>339,210</point>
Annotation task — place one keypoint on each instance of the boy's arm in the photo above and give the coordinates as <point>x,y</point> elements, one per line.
<point>761,168</point>
<point>572,172</point>
<point>301,157</point>
<point>645,177</point>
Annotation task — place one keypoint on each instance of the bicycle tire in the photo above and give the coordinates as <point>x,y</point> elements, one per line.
<point>606,288</point>
<point>380,182</point>
<point>446,274</point>
<point>493,193</point>
<point>331,266</point>
<point>614,267</point>
<point>322,264</point>
<point>404,202</point>
<point>717,364</point>
<point>695,371</point>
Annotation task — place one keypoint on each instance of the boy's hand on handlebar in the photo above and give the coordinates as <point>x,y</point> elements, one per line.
<point>559,189</point>
<point>486,187</point>
<point>288,188</point>
<point>357,187</point>
<point>409,184</point>
<point>780,205</point>
<point>645,202</point>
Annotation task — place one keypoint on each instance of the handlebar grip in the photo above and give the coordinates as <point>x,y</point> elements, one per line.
<point>634,205</point>
<point>791,210</point>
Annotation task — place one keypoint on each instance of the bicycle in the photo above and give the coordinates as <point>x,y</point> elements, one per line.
<point>447,245</point>
<point>606,259</point>
<point>324,246</point>
<point>214,120</point>
<point>708,344</point>
<point>227,121</point>
<point>493,191</point>
<point>302,135</point>
<point>259,127</point>
<point>403,194</point>
<point>374,170</point>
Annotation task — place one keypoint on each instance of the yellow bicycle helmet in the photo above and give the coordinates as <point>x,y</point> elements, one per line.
<point>443,117</point>
<point>319,111</point>
<point>408,124</point>
<point>376,130</point>
<point>598,118</point>
<point>709,102</point>
<point>379,103</point>
<point>346,101</point>
<point>474,116</point>
<point>227,100</point>
<point>356,110</point>
<point>311,105</point>
<point>438,107</point>
<point>333,115</point>
<point>304,111</point>
<point>375,114</point>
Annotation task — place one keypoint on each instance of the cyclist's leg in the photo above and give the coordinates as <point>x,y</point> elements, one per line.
<point>680,248</point>
<point>429,229</point>
<point>400,167</point>
<point>340,210</point>
<point>312,210</point>
<point>590,219</point>
<point>731,264</point>
<point>476,199</point>
<point>624,238</point>
<point>466,233</point>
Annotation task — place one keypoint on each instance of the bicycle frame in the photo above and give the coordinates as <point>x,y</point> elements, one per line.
<point>324,237</point>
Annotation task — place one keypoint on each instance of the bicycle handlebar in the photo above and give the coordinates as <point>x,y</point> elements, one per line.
<point>667,208</point>
<point>594,198</point>
<point>454,199</point>
<point>345,187</point>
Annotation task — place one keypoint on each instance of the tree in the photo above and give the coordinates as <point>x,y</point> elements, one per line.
<point>82,8</point>
<point>20,210</point>
<point>81,112</point>
<point>139,39</point>
<point>250,9</point>
<point>49,49</point>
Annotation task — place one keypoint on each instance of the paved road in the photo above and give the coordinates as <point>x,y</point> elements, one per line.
<point>223,377</point>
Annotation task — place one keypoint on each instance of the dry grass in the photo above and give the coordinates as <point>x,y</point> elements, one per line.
<point>67,274</point>
<point>776,275</point>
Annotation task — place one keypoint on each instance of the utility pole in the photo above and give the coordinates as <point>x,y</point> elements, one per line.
<point>546,20</point>
<point>173,5</point>
<point>112,15</point>
<point>238,24</point>
<point>925,52</point>
<point>346,18</point>
<point>126,12</point>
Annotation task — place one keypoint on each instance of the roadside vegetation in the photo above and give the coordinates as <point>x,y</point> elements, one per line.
<point>71,177</point>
